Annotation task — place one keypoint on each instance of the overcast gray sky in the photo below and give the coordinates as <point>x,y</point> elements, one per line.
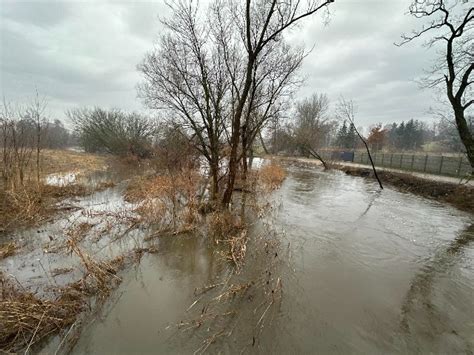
<point>85,53</point>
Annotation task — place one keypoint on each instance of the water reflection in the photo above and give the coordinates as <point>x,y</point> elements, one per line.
<point>421,309</point>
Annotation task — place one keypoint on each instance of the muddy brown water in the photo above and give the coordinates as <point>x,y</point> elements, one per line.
<point>363,271</point>
<point>367,271</point>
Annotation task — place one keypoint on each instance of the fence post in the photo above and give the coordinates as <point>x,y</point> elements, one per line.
<point>460,166</point>
<point>401,161</point>
<point>391,159</point>
<point>383,156</point>
<point>412,161</point>
<point>441,164</point>
<point>426,162</point>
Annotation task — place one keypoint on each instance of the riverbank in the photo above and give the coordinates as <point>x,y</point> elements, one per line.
<point>443,189</point>
<point>458,195</point>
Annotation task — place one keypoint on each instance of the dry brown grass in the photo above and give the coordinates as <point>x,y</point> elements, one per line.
<point>62,161</point>
<point>32,203</point>
<point>7,250</point>
<point>270,176</point>
<point>168,200</point>
<point>26,319</point>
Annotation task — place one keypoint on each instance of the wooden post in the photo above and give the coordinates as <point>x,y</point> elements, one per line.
<point>412,161</point>
<point>383,157</point>
<point>401,161</point>
<point>426,162</point>
<point>441,164</point>
<point>391,159</point>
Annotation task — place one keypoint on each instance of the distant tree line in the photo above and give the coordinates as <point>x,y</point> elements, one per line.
<point>25,130</point>
<point>408,135</point>
<point>313,127</point>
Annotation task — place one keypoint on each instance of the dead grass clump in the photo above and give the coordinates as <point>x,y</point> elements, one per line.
<point>70,190</point>
<point>32,204</point>
<point>21,207</point>
<point>100,276</point>
<point>26,319</point>
<point>271,176</point>
<point>7,250</point>
<point>223,224</point>
<point>227,229</point>
<point>237,249</point>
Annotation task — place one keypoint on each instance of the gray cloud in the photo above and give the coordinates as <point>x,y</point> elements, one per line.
<point>85,53</point>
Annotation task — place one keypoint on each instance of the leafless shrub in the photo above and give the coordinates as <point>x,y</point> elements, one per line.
<point>169,200</point>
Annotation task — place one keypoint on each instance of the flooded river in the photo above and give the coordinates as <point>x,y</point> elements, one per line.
<point>359,271</point>
<point>363,271</point>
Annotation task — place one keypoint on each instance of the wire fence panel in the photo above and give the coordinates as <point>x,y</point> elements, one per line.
<point>432,164</point>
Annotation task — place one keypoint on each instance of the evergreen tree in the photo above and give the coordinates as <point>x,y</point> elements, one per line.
<point>341,135</point>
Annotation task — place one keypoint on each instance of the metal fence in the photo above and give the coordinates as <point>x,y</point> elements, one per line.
<point>430,164</point>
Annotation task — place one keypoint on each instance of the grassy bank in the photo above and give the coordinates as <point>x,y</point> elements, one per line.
<point>32,202</point>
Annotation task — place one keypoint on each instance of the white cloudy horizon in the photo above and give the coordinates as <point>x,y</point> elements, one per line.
<point>84,53</point>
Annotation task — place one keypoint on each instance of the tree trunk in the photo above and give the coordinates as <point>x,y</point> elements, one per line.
<point>244,153</point>
<point>215,180</point>
<point>235,138</point>
<point>317,156</point>
<point>371,161</point>
<point>465,135</point>
<point>262,142</point>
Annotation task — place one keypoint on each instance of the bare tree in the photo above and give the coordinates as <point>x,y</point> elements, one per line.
<point>273,83</point>
<point>35,112</point>
<point>451,25</point>
<point>20,135</point>
<point>225,74</point>
<point>186,76</point>
<point>345,111</point>
<point>312,125</point>
<point>260,23</point>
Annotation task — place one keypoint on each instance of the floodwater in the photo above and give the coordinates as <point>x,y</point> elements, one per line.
<point>43,261</point>
<point>362,271</point>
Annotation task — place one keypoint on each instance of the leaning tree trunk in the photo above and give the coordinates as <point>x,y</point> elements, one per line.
<point>465,135</point>
<point>371,161</point>
<point>315,154</point>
